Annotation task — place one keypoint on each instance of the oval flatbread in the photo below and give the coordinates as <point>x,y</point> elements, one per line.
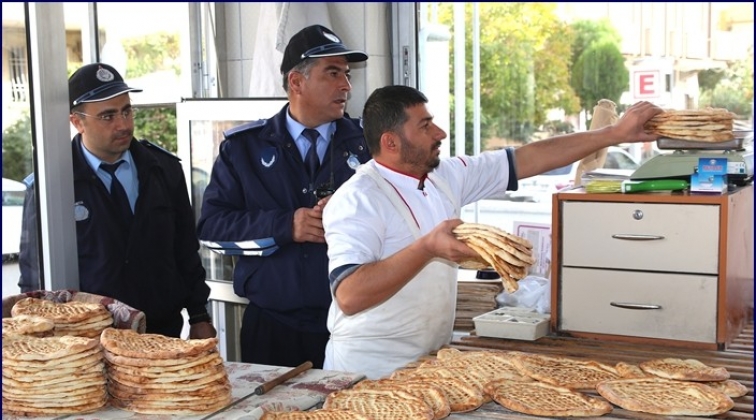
<point>313,415</point>
<point>684,370</point>
<point>379,404</point>
<point>129,343</point>
<point>563,371</point>
<point>540,399</point>
<point>28,325</point>
<point>67,313</point>
<point>665,397</point>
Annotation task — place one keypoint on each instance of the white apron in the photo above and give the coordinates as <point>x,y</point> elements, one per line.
<point>415,321</point>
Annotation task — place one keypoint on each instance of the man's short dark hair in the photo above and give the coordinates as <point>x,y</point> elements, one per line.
<point>385,110</point>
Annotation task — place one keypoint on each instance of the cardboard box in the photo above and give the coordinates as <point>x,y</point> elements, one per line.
<point>514,323</point>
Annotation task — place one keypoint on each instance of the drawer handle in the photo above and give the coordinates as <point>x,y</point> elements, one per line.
<point>632,237</point>
<point>637,306</point>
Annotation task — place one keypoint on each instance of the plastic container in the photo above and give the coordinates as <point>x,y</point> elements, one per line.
<point>514,323</point>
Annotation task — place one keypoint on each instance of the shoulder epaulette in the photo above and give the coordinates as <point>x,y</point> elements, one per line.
<point>29,180</point>
<point>155,147</point>
<point>244,127</point>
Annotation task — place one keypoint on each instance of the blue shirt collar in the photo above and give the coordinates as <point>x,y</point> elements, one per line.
<point>295,128</point>
<point>94,162</point>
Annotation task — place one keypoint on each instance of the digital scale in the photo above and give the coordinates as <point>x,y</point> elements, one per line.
<point>683,161</point>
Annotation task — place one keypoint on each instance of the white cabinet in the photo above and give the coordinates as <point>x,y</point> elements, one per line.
<point>666,268</point>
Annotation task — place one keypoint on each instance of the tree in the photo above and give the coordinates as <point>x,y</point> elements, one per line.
<point>522,66</point>
<point>17,149</point>
<point>587,32</point>
<point>600,73</point>
<point>151,53</point>
<point>158,126</point>
<point>598,67</point>
<point>732,90</point>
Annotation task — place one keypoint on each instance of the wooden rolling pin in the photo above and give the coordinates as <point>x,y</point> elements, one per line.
<point>267,386</point>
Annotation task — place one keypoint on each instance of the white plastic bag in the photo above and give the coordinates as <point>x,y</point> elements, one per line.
<point>533,293</point>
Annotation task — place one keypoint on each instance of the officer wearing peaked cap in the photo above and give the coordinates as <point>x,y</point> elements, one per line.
<point>135,228</point>
<point>266,195</point>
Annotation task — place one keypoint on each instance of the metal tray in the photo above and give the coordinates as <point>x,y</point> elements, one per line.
<point>665,143</point>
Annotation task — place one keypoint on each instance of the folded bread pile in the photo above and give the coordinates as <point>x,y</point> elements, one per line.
<point>712,125</point>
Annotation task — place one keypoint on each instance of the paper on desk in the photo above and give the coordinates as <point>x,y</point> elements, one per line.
<point>539,234</point>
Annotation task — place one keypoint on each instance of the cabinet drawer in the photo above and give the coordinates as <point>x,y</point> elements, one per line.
<point>641,236</point>
<point>687,304</point>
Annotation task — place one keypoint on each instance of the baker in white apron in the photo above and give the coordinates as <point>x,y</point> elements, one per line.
<point>417,319</point>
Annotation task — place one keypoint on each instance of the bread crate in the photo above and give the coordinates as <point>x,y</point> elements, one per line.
<point>510,322</point>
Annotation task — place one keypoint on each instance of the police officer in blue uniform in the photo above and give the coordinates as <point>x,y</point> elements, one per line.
<point>136,235</point>
<point>265,197</point>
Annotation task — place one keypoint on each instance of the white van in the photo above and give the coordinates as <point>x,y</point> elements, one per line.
<point>13,202</point>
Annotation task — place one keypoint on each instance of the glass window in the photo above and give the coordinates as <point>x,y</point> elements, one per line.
<point>148,44</point>
<point>17,138</point>
<point>532,70</point>
<point>150,50</point>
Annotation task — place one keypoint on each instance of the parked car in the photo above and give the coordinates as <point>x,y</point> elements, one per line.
<point>541,187</point>
<point>13,202</point>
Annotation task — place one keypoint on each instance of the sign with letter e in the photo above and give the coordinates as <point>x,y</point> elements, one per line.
<point>647,84</point>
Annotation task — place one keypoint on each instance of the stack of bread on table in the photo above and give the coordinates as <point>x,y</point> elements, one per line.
<point>66,358</point>
<point>154,374</point>
<point>52,375</point>
<point>535,384</point>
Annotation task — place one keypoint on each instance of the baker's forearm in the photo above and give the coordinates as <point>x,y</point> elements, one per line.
<point>374,283</point>
<point>545,155</point>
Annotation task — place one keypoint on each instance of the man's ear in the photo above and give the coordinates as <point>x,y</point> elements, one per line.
<point>76,121</point>
<point>295,81</point>
<point>389,141</point>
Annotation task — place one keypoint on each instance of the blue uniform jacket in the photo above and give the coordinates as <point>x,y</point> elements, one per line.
<point>158,270</point>
<point>257,182</point>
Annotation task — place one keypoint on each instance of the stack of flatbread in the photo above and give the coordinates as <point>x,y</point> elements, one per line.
<point>703,125</point>
<point>508,254</point>
<point>70,318</point>
<point>155,374</point>
<point>35,326</point>
<point>52,376</point>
